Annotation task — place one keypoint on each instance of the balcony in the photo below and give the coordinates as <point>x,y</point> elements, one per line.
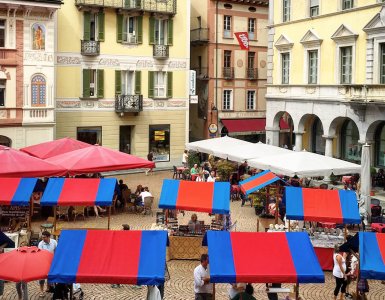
<point>252,73</point>
<point>128,103</point>
<point>228,73</point>
<point>33,115</point>
<point>202,73</point>
<point>199,36</point>
<point>160,51</point>
<point>90,48</point>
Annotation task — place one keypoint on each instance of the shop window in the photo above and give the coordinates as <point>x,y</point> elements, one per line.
<point>159,142</point>
<point>89,135</point>
<point>318,142</point>
<point>2,91</point>
<point>380,145</point>
<point>351,149</point>
<point>38,93</point>
<point>2,33</point>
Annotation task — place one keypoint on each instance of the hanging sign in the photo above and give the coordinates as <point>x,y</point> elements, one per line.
<point>243,39</point>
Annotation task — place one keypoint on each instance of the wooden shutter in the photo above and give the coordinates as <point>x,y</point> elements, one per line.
<point>87,26</point>
<point>138,4</point>
<point>170,28</point>
<point>118,82</point>
<point>86,83</point>
<point>169,84</point>
<point>101,26</point>
<point>100,75</point>
<point>119,28</point>
<point>139,31</point>
<point>151,91</point>
<point>152,31</point>
<point>138,79</point>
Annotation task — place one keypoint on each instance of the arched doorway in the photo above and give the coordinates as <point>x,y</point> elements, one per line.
<point>380,145</point>
<point>350,148</point>
<point>5,141</point>
<point>317,141</point>
<point>224,131</point>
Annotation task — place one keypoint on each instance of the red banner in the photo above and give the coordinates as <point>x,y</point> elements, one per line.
<point>243,40</point>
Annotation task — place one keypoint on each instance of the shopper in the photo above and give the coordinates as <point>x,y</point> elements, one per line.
<point>50,245</point>
<point>22,290</point>
<point>202,287</point>
<point>339,272</point>
<point>185,158</point>
<point>150,157</point>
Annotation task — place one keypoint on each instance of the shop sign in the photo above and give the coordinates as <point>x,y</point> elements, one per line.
<point>192,85</point>
<point>193,99</point>
<point>15,211</point>
<point>213,128</point>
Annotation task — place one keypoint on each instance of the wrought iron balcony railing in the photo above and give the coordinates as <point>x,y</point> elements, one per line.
<point>252,73</point>
<point>199,36</point>
<point>90,48</point>
<point>228,73</point>
<point>128,103</point>
<point>160,51</point>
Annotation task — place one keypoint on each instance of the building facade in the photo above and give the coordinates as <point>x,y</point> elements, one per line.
<point>27,76</point>
<point>122,75</point>
<point>326,71</point>
<point>230,82</point>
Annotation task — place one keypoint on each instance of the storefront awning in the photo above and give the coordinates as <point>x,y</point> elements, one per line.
<point>16,191</point>
<point>372,255</point>
<point>79,191</point>
<point>210,197</point>
<point>337,206</point>
<point>110,256</point>
<point>258,181</point>
<point>277,257</point>
<point>249,126</point>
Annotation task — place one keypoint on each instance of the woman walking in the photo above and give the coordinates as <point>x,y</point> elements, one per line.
<point>339,272</point>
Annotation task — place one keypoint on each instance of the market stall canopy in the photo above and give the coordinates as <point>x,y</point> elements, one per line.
<point>79,191</point>
<point>372,255</point>
<point>53,148</point>
<point>336,206</point>
<point>16,191</point>
<point>304,163</point>
<point>260,257</point>
<point>352,243</point>
<point>258,181</point>
<point>18,164</point>
<point>110,256</point>
<point>25,264</point>
<point>5,240</point>
<point>210,197</point>
<point>96,159</point>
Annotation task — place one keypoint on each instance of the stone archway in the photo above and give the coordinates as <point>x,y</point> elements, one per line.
<point>310,126</point>
<point>280,131</point>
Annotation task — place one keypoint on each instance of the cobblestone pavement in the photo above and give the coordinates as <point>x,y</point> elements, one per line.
<point>180,285</point>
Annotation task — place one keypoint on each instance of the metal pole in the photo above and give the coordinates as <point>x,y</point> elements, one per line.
<point>109,217</point>
<point>54,218</point>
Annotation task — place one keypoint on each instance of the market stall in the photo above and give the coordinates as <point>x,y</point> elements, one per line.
<point>372,253</point>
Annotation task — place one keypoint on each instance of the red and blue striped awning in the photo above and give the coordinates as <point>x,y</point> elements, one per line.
<point>337,206</point>
<point>259,257</point>
<point>210,197</point>
<point>258,181</point>
<point>79,191</point>
<point>16,191</point>
<point>110,256</point>
<point>372,255</point>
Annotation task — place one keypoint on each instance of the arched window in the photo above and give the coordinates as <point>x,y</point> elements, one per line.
<point>351,149</point>
<point>318,142</point>
<point>38,86</point>
<point>5,141</point>
<point>380,145</point>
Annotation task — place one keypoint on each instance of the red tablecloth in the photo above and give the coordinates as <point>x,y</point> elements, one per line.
<point>325,258</point>
<point>346,179</point>
<point>378,227</point>
<point>327,225</point>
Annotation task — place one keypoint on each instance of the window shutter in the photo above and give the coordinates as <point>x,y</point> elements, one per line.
<point>138,4</point>
<point>151,75</point>
<point>139,31</point>
<point>169,85</point>
<point>101,26</point>
<point>170,27</point>
<point>119,28</point>
<point>86,83</point>
<point>152,31</point>
<point>87,26</point>
<point>100,83</point>
<point>138,78</point>
<point>118,82</point>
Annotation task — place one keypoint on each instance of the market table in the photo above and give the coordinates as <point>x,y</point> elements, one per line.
<point>186,247</point>
<point>325,258</point>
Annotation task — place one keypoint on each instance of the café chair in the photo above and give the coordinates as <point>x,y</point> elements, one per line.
<point>62,212</point>
<point>148,205</point>
<point>48,226</point>
<point>79,211</point>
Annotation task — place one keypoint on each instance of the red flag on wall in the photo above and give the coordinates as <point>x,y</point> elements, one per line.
<point>243,40</point>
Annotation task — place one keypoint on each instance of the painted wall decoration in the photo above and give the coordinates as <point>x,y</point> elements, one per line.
<point>38,37</point>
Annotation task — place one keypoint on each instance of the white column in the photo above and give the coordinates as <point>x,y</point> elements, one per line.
<point>272,136</point>
<point>298,140</point>
<point>328,145</point>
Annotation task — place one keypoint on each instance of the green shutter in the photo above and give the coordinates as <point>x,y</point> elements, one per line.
<point>101,26</point>
<point>138,4</point>
<point>139,31</point>
<point>86,83</point>
<point>152,31</point>
<point>169,84</point>
<point>138,79</point>
<point>119,28</point>
<point>87,26</point>
<point>170,27</point>
<point>118,82</point>
<point>100,83</point>
<point>151,75</point>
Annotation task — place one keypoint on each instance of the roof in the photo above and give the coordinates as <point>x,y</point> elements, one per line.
<point>46,1</point>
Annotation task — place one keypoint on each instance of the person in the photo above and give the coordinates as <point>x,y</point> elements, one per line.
<point>124,227</point>
<point>22,290</point>
<point>185,158</point>
<point>98,209</point>
<point>200,177</point>
<point>273,296</point>
<point>145,193</point>
<point>211,177</point>
<point>122,185</point>
<point>339,272</point>
<point>236,288</point>
<point>247,294</point>
<point>203,289</point>
<point>150,157</point>
<point>193,224</point>
<point>50,245</point>
<point>194,170</point>
<point>206,170</point>
<point>351,267</point>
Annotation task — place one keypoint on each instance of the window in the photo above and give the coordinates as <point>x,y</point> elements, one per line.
<point>227,59</point>
<point>89,135</point>
<point>2,33</point>
<point>251,28</point>
<point>347,4</point>
<point>2,92</point>
<point>382,63</point>
<point>312,66</point>
<point>93,26</point>
<point>129,29</point>
<point>160,84</point>
<point>38,93</point>
<point>127,82</point>
<point>250,104</point>
<point>251,71</point>
<point>161,31</point>
<point>286,10</point>
<point>351,149</point>
<point>227,100</point>
<point>159,142</point>
<point>93,83</point>
<point>314,8</point>
<point>380,145</point>
<point>160,26</point>
<point>346,65</point>
<point>227,26</point>
<point>285,63</point>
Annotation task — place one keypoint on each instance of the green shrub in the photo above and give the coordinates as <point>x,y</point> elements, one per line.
<point>225,169</point>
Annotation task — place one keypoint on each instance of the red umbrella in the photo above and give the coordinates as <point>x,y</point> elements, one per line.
<point>25,264</point>
<point>96,159</point>
<point>18,164</point>
<point>53,148</point>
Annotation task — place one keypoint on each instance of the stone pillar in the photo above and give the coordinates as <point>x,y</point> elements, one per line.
<point>298,140</point>
<point>272,136</point>
<point>328,145</point>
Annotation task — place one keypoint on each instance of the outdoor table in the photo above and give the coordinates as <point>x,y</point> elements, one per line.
<point>327,225</point>
<point>186,247</point>
<point>378,227</point>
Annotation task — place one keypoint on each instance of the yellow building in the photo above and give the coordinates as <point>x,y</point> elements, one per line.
<point>326,74</point>
<point>123,74</point>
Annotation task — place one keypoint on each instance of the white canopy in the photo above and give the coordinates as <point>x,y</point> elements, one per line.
<point>304,164</point>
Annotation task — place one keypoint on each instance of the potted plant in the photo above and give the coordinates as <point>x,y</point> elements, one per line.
<point>225,169</point>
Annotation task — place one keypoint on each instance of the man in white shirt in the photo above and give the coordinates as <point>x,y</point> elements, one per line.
<point>145,193</point>
<point>50,245</point>
<point>211,177</point>
<point>202,287</point>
